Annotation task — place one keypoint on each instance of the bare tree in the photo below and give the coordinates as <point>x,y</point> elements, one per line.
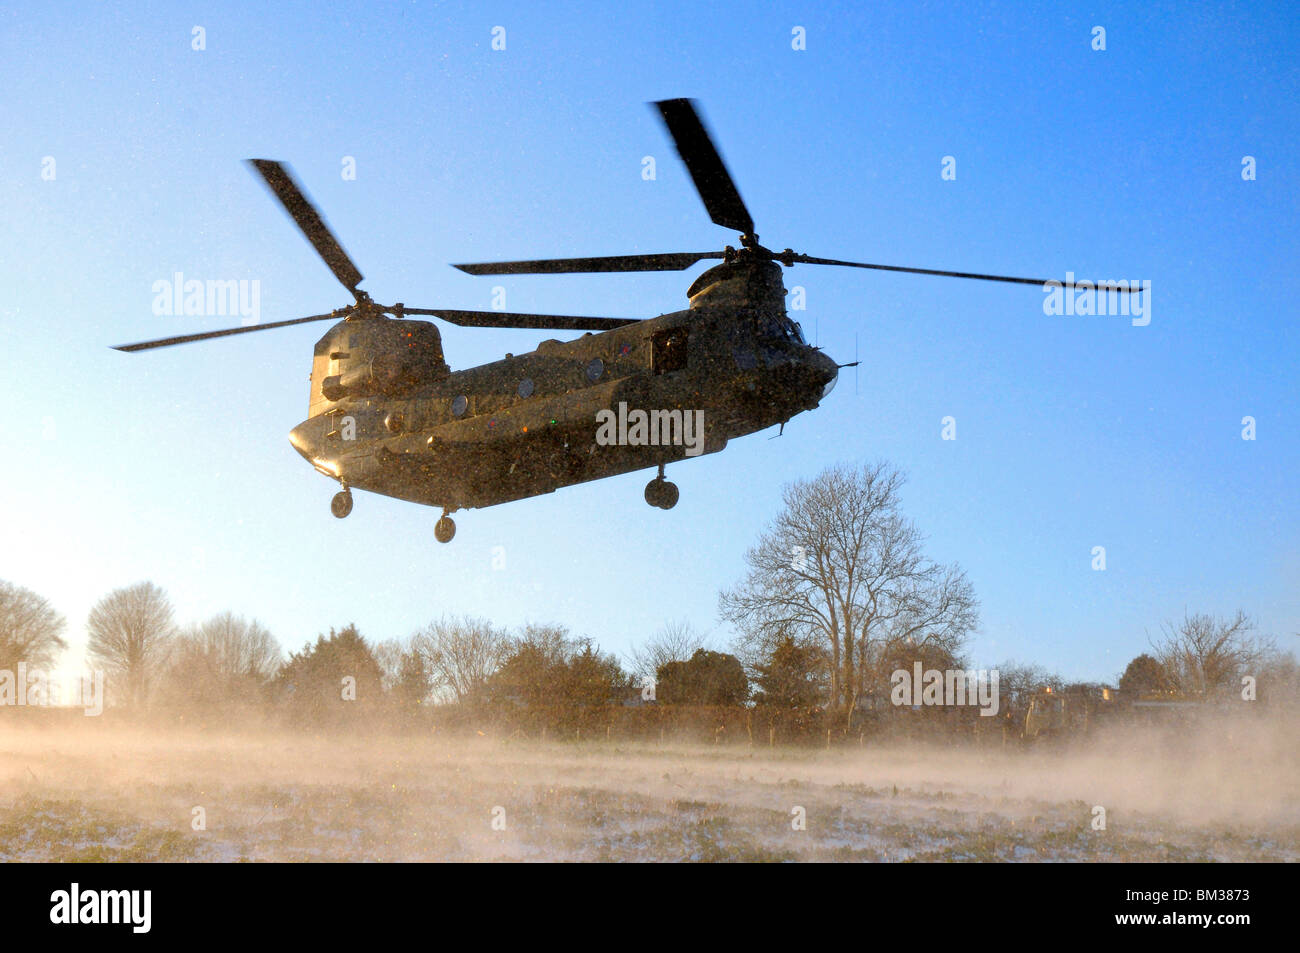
<point>461,654</point>
<point>404,664</point>
<point>1204,654</point>
<point>30,630</point>
<point>389,655</point>
<point>1019,681</point>
<point>840,563</point>
<point>674,642</point>
<point>1279,681</point>
<point>227,658</point>
<point>130,632</point>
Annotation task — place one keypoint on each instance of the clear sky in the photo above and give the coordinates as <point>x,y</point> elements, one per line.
<point>1072,431</point>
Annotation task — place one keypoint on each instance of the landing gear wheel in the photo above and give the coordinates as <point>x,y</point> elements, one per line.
<point>670,495</point>
<point>659,492</point>
<point>341,505</point>
<point>444,529</point>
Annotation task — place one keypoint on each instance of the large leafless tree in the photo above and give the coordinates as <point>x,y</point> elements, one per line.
<point>841,565</point>
<point>226,659</point>
<point>461,654</point>
<point>1204,654</point>
<point>130,634</point>
<point>30,630</point>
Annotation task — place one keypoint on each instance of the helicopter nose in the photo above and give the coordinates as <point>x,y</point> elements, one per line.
<point>307,438</point>
<point>301,442</point>
<point>830,384</point>
<point>829,370</point>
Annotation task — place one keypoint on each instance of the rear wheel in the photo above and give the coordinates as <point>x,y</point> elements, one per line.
<point>659,492</point>
<point>444,529</point>
<point>341,505</point>
<point>670,495</point>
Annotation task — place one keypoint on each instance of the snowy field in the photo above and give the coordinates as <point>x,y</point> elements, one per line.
<point>109,793</point>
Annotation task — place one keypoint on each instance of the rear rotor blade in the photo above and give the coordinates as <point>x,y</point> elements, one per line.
<point>673,261</point>
<point>1040,282</point>
<point>703,162</point>
<point>281,183</point>
<point>507,319</point>
<point>205,335</point>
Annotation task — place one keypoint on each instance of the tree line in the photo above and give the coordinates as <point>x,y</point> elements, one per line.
<point>838,594</point>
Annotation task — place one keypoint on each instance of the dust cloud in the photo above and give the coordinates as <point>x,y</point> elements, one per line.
<point>95,789</point>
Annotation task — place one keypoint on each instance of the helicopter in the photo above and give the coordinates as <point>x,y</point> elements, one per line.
<point>387,414</point>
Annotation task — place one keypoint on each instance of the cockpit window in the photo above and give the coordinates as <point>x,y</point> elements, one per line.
<point>779,327</point>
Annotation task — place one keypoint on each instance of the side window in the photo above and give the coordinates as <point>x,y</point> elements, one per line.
<point>670,350</point>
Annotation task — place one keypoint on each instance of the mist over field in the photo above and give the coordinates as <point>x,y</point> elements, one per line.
<point>85,789</point>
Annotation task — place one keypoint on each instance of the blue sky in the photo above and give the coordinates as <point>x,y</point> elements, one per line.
<point>1072,431</point>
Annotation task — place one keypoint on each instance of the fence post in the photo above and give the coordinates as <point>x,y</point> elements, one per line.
<point>771,736</point>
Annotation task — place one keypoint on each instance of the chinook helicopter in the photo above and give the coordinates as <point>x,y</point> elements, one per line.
<point>388,415</point>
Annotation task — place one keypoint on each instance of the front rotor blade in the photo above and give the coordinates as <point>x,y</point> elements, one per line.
<point>506,319</point>
<point>807,259</point>
<point>704,163</point>
<point>673,261</point>
<point>204,335</point>
<point>281,183</point>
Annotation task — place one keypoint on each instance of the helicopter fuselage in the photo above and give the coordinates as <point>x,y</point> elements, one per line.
<point>646,394</point>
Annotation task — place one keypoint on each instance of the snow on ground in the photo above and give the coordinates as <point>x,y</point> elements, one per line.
<point>109,793</point>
